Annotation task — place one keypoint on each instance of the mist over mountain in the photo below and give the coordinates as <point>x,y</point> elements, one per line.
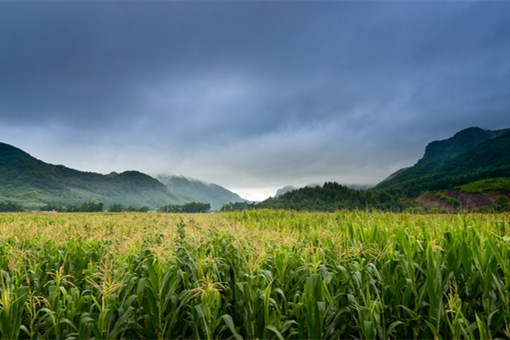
<point>189,189</point>
<point>284,190</point>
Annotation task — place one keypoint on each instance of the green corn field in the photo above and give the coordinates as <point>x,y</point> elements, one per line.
<point>254,275</point>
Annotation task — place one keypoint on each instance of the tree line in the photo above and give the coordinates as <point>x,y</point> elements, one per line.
<point>190,207</point>
<point>329,197</point>
<point>10,207</point>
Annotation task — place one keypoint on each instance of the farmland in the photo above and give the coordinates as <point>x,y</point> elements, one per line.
<point>254,274</point>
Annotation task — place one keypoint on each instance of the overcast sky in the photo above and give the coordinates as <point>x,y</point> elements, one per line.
<point>250,95</point>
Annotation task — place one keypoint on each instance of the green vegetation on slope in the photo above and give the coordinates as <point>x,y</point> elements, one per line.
<point>487,185</point>
<point>32,183</point>
<point>487,159</point>
<point>258,274</point>
<point>437,153</point>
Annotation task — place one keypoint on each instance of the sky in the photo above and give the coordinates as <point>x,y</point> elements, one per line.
<point>250,95</point>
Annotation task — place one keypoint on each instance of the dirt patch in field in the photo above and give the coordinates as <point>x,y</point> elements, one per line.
<point>458,199</point>
<point>469,200</point>
<point>431,201</point>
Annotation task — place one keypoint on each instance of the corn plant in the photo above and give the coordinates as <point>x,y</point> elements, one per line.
<point>255,274</point>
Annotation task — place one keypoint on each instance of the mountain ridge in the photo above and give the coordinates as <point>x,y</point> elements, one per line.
<point>33,183</point>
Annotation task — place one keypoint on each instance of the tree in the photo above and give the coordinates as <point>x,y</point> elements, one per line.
<point>191,207</point>
<point>10,207</point>
<point>237,206</point>
<point>90,207</point>
<point>116,207</point>
<point>53,207</point>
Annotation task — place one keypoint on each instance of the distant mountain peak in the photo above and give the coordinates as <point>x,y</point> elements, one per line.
<point>470,131</point>
<point>284,190</point>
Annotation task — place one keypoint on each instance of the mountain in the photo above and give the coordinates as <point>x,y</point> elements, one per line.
<point>34,183</point>
<point>188,189</point>
<point>470,155</point>
<point>284,190</point>
<point>470,170</point>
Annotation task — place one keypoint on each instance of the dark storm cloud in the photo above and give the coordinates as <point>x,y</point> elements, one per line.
<point>65,60</point>
<point>276,92</point>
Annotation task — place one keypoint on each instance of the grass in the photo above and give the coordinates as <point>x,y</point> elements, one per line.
<point>255,274</point>
<point>501,184</point>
